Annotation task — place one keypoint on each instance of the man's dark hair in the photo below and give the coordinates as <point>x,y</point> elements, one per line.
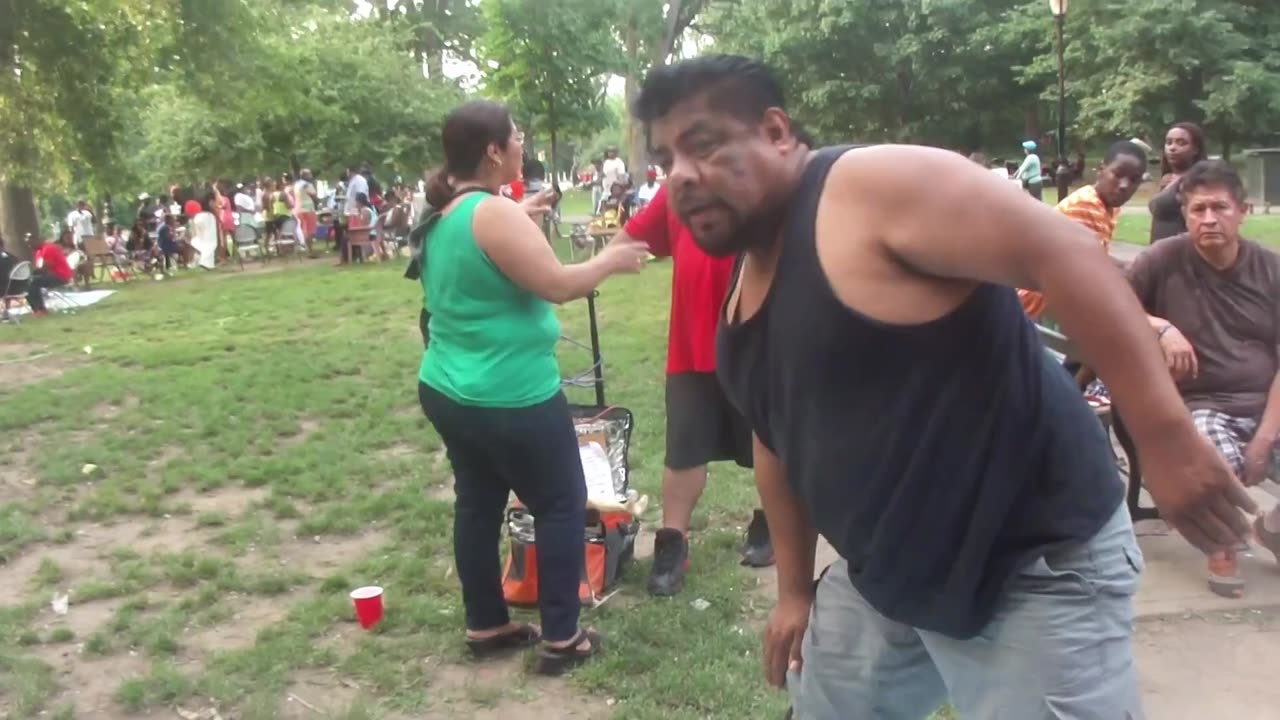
<point>1212,174</point>
<point>1127,148</point>
<point>734,84</point>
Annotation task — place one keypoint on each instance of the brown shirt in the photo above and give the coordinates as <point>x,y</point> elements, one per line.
<point>1231,318</point>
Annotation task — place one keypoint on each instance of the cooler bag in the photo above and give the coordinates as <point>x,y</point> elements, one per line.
<point>610,533</point>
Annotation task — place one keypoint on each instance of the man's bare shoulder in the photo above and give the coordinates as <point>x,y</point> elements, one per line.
<point>898,174</point>
<point>894,160</point>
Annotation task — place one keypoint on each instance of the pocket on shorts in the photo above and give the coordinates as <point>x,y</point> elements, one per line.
<point>1108,563</point>
<point>1049,576</point>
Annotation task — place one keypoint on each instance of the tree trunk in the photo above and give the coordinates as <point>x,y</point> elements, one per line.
<point>637,149</point>
<point>435,64</point>
<point>431,50</point>
<point>679,14</point>
<point>675,27</point>
<point>1031,121</point>
<point>18,218</point>
<point>555,183</point>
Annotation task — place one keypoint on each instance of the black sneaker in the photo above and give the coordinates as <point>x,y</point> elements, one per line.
<point>670,560</point>
<point>757,551</point>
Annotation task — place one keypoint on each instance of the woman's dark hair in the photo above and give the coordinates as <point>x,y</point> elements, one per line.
<point>362,199</point>
<point>468,132</point>
<point>1212,174</point>
<point>1197,141</point>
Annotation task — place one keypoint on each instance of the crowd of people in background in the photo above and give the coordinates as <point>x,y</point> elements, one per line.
<point>201,226</point>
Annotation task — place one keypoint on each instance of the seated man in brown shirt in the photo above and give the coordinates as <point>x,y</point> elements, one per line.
<point>1214,298</point>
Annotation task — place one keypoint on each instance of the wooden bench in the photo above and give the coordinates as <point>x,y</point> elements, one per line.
<point>1061,346</point>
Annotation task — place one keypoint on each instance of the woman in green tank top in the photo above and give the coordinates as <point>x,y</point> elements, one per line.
<point>490,385</point>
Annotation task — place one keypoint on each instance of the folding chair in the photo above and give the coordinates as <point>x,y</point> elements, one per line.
<point>21,273</point>
<point>82,267</point>
<point>98,250</point>
<point>358,237</point>
<point>287,238</point>
<point>247,240</point>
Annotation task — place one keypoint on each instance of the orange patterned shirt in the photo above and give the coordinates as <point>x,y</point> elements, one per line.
<point>1085,207</point>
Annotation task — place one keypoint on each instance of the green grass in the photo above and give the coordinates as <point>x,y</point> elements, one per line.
<point>1135,228</point>
<point>576,202</point>
<point>299,384</point>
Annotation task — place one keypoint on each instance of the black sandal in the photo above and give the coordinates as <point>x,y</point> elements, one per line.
<point>557,660</point>
<point>523,636</point>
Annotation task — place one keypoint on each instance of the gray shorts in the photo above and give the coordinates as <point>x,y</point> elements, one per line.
<point>1059,646</point>
<point>702,425</point>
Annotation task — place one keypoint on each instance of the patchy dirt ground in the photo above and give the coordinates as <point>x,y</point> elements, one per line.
<point>1240,650</point>
<point>24,363</point>
<point>88,682</point>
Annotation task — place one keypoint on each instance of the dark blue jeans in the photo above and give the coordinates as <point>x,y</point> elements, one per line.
<point>533,452</point>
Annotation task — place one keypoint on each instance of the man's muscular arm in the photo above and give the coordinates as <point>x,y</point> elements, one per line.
<point>969,226</point>
<point>794,543</point>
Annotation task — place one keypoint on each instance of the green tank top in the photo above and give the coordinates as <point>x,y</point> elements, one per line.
<point>492,342</point>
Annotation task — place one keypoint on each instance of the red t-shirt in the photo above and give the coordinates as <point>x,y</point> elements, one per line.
<point>699,284</point>
<point>49,257</point>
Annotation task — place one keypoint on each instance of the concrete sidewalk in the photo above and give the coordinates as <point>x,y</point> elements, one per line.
<point>1126,252</point>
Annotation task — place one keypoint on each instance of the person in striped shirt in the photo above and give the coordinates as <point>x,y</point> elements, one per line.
<point>1097,206</point>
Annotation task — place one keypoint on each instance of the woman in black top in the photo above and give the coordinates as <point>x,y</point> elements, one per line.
<point>1183,147</point>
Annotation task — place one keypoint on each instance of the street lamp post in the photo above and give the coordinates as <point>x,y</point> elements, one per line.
<point>1062,174</point>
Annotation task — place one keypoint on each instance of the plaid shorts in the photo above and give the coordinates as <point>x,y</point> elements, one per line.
<point>1230,435</point>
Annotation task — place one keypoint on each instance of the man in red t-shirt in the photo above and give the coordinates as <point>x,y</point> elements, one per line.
<point>51,270</point>
<point>701,424</point>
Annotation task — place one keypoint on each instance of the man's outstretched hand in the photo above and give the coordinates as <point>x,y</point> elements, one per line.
<point>1196,491</point>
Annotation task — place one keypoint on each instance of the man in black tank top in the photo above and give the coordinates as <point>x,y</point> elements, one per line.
<point>904,408</point>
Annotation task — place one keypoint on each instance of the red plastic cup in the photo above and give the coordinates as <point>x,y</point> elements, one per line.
<point>368,602</point>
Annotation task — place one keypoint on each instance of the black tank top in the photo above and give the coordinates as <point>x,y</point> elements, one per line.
<point>937,459</point>
<point>1166,213</point>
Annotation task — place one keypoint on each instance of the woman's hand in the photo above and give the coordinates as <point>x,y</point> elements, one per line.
<point>539,203</point>
<point>624,254</point>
